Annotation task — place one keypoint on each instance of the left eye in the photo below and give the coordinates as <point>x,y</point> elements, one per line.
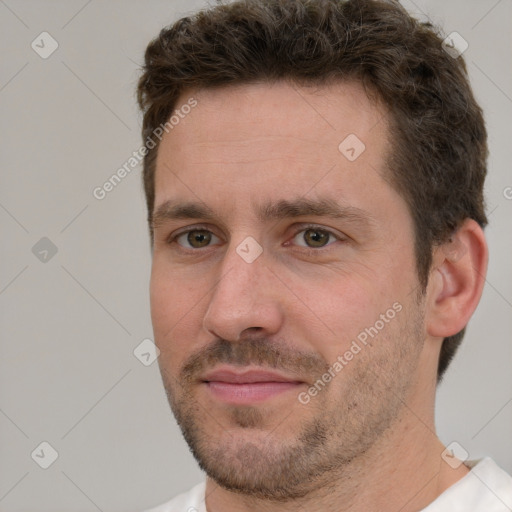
<point>314,238</point>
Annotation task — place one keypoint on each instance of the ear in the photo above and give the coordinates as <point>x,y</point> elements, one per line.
<point>456,280</point>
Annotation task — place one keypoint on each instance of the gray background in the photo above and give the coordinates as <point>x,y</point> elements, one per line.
<point>69,325</point>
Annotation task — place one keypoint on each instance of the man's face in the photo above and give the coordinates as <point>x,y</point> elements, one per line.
<point>261,277</point>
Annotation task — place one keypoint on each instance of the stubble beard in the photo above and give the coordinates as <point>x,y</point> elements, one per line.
<point>261,463</point>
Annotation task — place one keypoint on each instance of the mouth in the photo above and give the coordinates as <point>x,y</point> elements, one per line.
<point>246,387</point>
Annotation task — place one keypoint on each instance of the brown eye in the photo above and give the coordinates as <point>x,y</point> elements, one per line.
<point>196,239</point>
<point>316,237</point>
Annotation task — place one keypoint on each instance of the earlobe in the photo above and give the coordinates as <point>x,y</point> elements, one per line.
<point>456,281</point>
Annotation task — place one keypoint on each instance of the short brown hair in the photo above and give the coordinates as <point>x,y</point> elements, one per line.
<point>438,162</point>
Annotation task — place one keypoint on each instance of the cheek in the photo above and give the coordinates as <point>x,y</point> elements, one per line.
<point>161,295</point>
<point>176,309</point>
<point>344,301</point>
<point>339,310</point>
<point>167,303</point>
<point>170,291</point>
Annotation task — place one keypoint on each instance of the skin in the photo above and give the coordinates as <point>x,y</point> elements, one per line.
<point>367,440</point>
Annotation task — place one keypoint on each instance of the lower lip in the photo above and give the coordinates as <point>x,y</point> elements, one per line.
<point>235,393</point>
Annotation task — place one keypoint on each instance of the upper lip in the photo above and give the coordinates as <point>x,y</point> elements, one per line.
<point>245,376</point>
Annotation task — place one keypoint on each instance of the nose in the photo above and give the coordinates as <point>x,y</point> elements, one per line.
<point>246,297</point>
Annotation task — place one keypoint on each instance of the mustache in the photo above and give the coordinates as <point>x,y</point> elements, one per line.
<point>257,350</point>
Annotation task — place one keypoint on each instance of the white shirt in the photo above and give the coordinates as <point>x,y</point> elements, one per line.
<point>486,488</point>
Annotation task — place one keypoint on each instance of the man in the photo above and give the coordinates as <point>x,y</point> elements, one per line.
<point>314,189</point>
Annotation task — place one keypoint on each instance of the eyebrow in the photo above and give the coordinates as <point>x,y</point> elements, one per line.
<point>269,211</point>
<point>170,210</point>
<point>323,207</point>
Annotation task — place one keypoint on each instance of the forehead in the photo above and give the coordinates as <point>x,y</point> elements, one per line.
<point>266,139</point>
<point>311,111</point>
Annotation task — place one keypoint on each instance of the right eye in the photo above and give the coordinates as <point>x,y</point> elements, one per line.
<point>195,239</point>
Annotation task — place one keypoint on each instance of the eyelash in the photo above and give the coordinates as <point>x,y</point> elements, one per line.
<point>303,227</point>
